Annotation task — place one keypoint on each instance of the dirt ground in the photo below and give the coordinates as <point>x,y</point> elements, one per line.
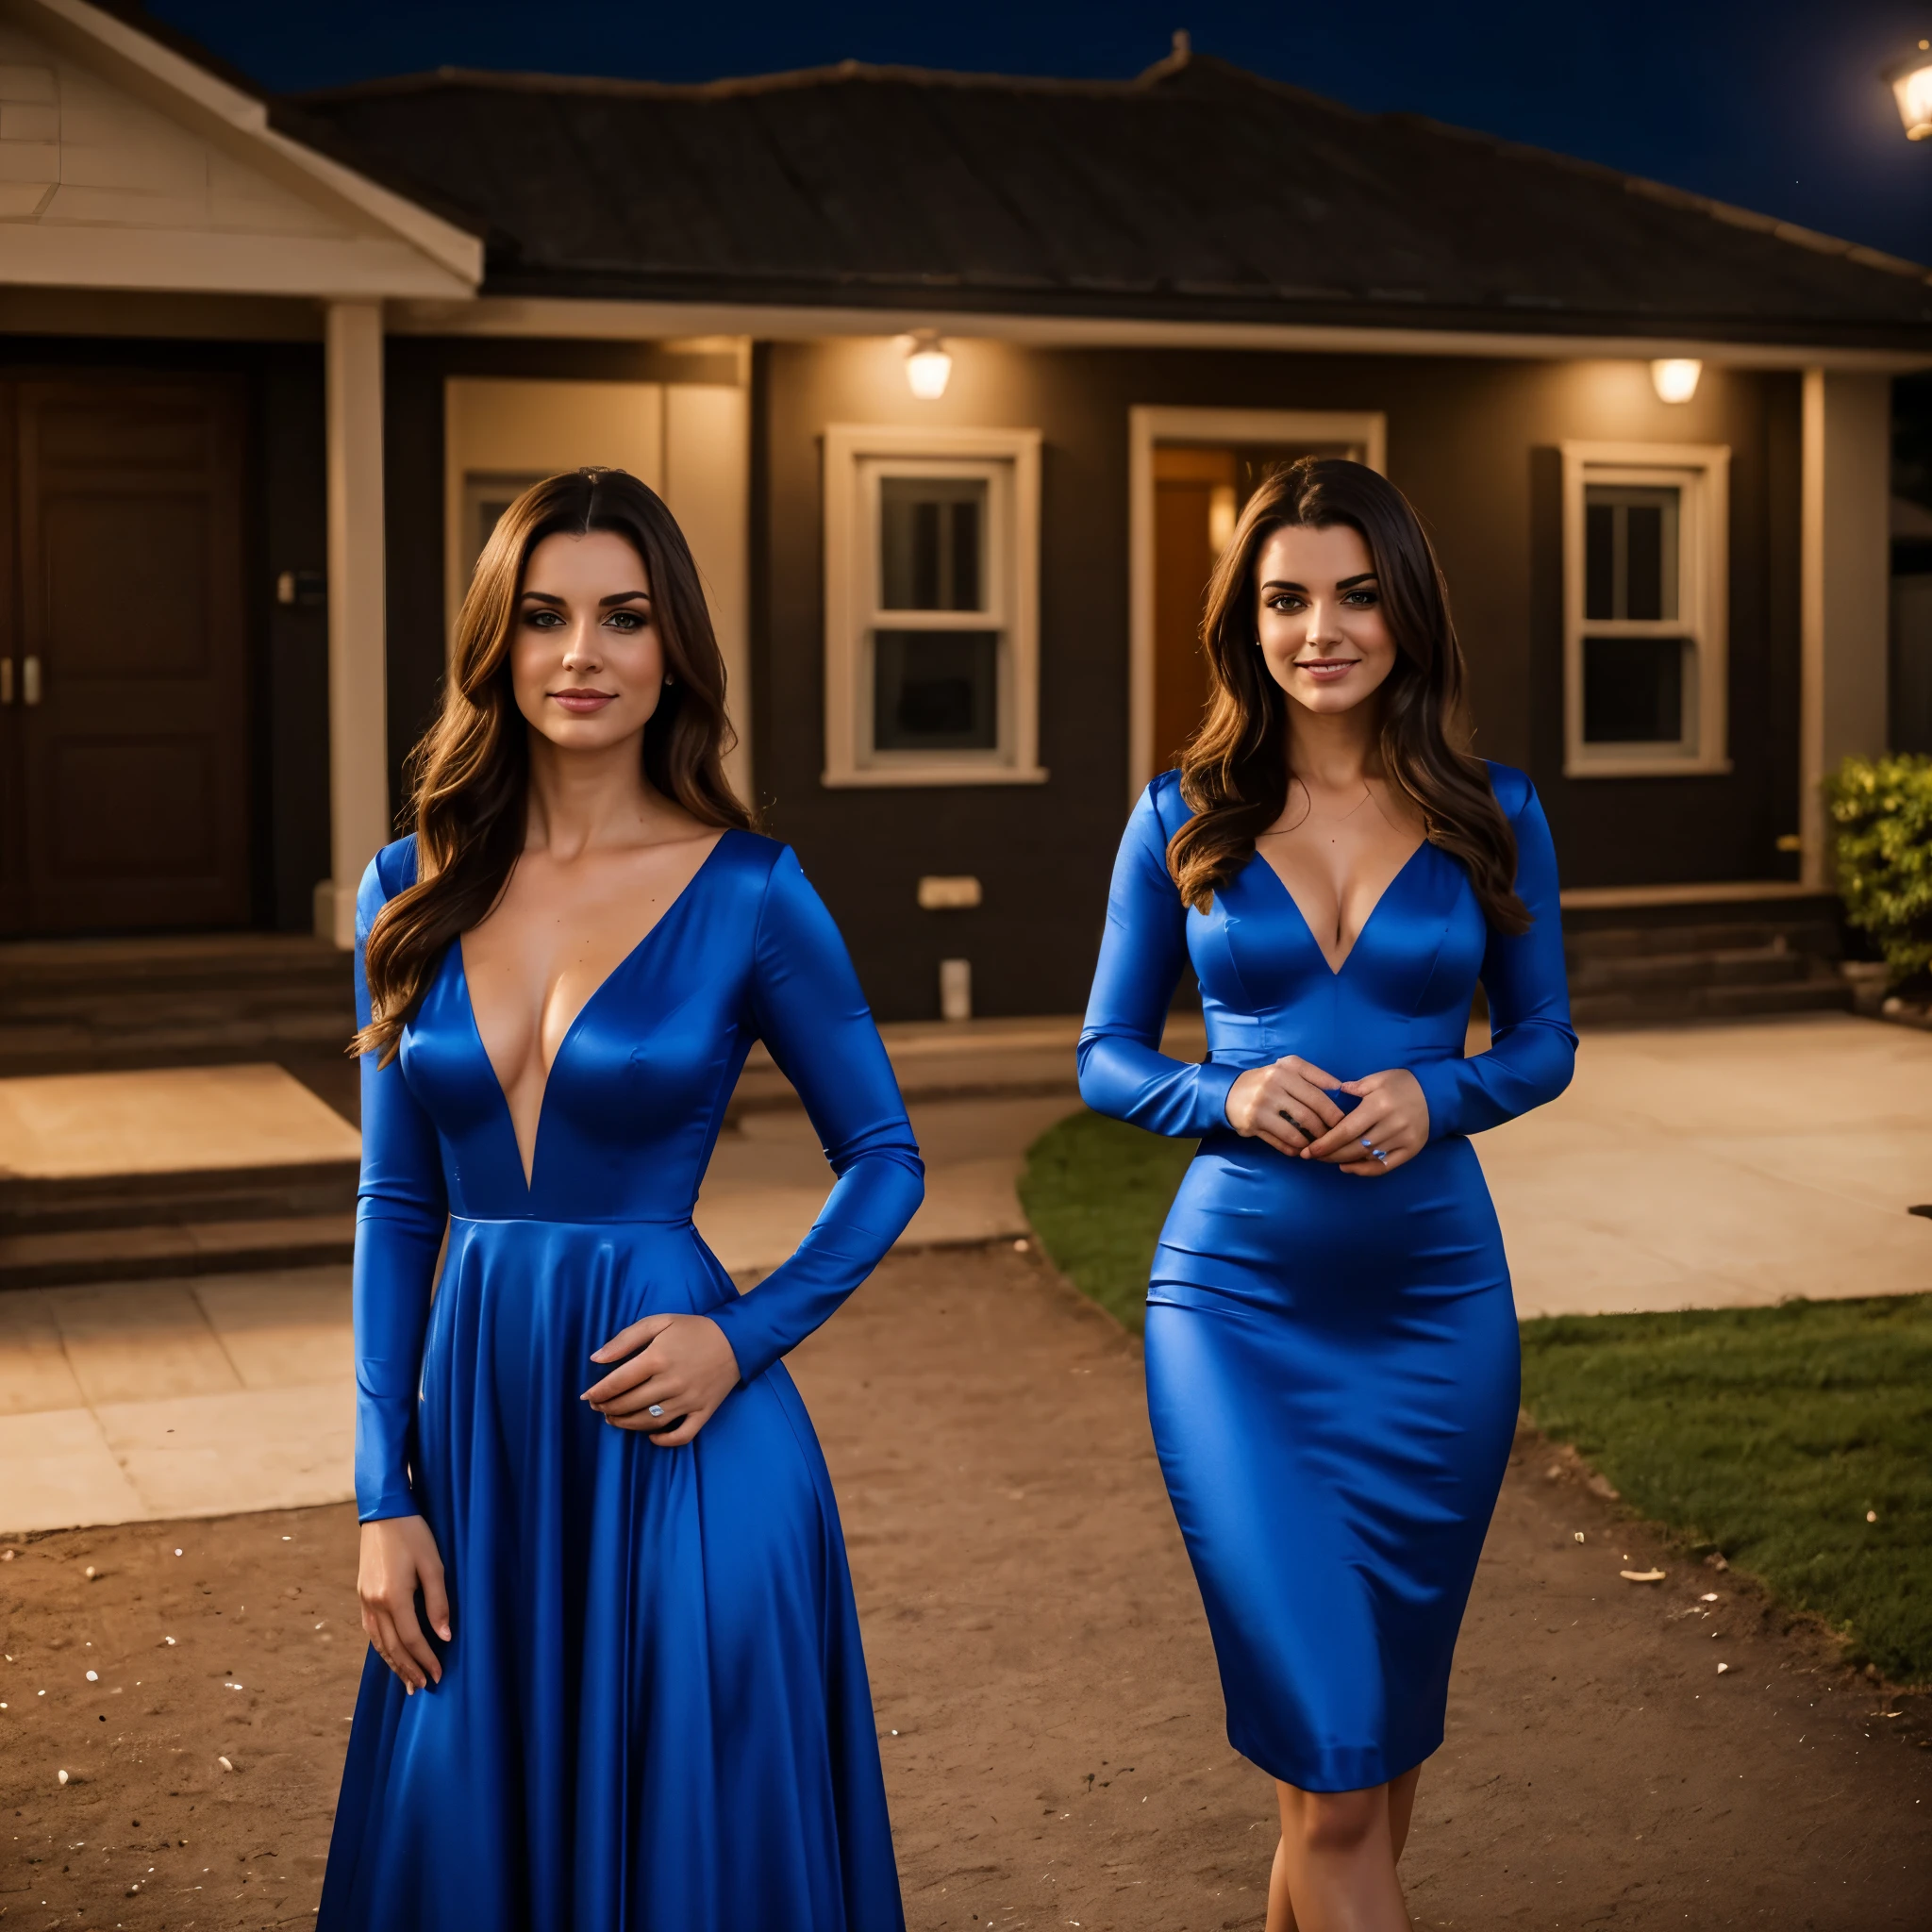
<point>1046,1695</point>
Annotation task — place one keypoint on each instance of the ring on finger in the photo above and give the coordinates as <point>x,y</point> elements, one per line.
<point>656,1408</point>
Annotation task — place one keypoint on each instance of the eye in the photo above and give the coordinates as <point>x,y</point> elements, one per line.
<point>1286,600</point>
<point>627,621</point>
<point>1363,598</point>
<point>541,617</point>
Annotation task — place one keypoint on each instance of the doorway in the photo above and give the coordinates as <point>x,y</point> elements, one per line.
<point>123,751</point>
<point>1193,474</point>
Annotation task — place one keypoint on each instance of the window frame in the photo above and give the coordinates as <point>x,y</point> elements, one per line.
<point>1701,473</point>
<point>856,457</point>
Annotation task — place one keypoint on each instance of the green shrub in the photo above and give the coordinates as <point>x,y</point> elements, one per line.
<point>1883,810</point>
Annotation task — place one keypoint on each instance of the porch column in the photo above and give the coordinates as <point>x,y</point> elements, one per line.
<point>1845,589</point>
<point>357,710</point>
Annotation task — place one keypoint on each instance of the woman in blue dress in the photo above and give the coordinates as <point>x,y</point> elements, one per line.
<point>1331,1348</point>
<point>598,1535</point>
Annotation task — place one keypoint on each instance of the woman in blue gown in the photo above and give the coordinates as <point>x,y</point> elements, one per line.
<point>598,1533</point>
<point>1331,1348</point>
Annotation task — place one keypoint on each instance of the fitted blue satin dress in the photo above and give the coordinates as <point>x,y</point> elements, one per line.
<point>1332,1361</point>
<point>653,1714</point>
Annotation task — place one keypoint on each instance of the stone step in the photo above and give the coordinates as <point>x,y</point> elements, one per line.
<point>73,1256</point>
<point>189,1197</point>
<point>1819,992</point>
<point>1816,937</point>
<point>83,1006</point>
<point>1757,966</point>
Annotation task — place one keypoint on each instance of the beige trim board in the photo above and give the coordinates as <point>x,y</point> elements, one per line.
<point>1727,893</point>
<point>565,316</point>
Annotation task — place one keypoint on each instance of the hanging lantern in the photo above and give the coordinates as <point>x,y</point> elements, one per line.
<point>928,368</point>
<point>1674,377</point>
<point>1912,87</point>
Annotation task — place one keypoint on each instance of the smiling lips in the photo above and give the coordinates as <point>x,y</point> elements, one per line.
<point>1327,670</point>
<point>582,701</point>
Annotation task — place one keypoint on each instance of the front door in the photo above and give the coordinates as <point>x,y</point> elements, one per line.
<point>123,751</point>
<point>1199,493</point>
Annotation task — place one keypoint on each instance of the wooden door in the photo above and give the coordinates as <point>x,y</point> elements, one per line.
<point>131,712</point>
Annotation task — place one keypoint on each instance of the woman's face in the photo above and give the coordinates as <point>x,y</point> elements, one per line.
<point>586,661</point>
<point>1319,616</point>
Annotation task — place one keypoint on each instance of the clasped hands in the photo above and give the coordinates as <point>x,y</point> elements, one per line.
<point>680,1363</point>
<point>1288,1105</point>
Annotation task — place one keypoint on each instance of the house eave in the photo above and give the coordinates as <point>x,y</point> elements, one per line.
<point>615,319</point>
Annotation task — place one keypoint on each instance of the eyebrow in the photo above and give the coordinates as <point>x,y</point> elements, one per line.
<point>1367,577</point>
<point>604,602</point>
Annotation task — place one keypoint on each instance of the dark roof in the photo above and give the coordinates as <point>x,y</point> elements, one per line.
<point>1197,191</point>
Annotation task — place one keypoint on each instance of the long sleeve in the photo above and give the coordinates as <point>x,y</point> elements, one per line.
<point>1533,1045</point>
<point>401,1210</point>
<point>1123,1071</point>
<point>812,1014</point>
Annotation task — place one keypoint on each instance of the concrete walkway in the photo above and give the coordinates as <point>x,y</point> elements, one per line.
<point>1722,1167</point>
<point>1685,1167</point>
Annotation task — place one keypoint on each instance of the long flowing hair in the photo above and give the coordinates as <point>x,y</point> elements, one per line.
<point>468,775</point>
<point>1234,770</point>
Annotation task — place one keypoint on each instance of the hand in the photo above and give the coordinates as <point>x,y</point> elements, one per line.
<point>1283,1105</point>
<point>1394,1115</point>
<point>399,1557</point>
<point>681,1364</point>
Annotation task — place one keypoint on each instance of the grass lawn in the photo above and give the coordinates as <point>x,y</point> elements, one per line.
<point>1097,1191</point>
<point>1765,1433</point>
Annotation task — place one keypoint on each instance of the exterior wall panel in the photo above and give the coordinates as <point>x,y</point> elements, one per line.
<point>1472,443</point>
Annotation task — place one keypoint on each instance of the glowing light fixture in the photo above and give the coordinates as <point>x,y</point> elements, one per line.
<point>1220,517</point>
<point>1912,87</point>
<point>928,368</point>
<point>1674,377</point>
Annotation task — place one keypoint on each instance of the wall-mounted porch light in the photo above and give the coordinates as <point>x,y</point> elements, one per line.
<point>928,368</point>
<point>1674,377</point>
<point>1911,86</point>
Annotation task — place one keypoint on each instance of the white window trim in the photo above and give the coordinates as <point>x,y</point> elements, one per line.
<point>850,541</point>
<point>1702,472</point>
<point>1364,432</point>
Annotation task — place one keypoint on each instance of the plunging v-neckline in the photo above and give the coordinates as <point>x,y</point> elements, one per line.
<point>644,938</point>
<point>1336,970</point>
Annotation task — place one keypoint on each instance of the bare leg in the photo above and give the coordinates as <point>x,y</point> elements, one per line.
<point>1337,1856</point>
<point>1280,1906</point>
<point>1402,1807</point>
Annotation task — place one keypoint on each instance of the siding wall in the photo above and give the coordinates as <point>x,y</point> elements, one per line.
<point>1474,445</point>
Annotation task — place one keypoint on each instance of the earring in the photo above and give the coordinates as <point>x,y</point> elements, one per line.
<point>669,680</point>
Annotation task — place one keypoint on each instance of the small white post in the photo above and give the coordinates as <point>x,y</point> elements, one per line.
<point>358,707</point>
<point>956,988</point>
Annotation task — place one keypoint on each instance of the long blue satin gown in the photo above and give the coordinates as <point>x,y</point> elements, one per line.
<point>653,1714</point>
<point>1332,1361</point>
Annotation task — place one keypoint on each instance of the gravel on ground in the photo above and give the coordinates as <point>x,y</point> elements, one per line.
<point>1047,1702</point>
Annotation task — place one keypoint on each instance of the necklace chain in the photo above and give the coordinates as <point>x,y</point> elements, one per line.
<point>1312,817</point>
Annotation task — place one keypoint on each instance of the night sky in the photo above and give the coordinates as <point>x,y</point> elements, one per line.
<point>1777,106</point>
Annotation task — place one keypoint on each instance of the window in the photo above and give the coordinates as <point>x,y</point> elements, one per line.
<point>1644,527</point>
<point>485,499</point>
<point>931,607</point>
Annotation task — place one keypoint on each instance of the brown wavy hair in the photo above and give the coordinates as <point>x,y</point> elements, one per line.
<point>468,775</point>
<point>1234,770</point>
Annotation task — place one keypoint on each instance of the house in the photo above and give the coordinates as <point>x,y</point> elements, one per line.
<point>954,382</point>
